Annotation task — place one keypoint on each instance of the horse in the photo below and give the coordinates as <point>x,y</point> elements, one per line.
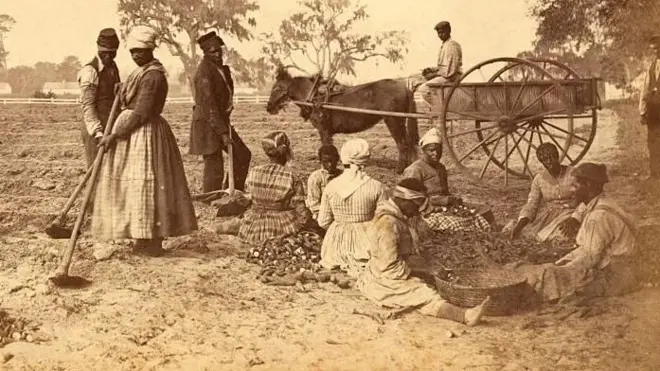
<point>381,95</point>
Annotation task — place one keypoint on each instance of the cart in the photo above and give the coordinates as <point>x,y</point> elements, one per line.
<point>502,109</point>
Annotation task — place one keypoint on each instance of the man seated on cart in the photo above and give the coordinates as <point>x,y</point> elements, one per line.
<point>604,263</point>
<point>443,211</point>
<point>450,61</point>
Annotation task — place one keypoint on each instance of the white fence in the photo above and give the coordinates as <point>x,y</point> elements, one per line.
<point>238,99</point>
<point>241,99</point>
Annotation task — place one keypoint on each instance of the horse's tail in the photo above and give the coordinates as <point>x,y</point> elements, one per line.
<point>412,128</point>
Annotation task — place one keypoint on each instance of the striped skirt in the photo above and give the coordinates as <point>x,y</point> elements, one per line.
<point>346,246</point>
<point>142,191</point>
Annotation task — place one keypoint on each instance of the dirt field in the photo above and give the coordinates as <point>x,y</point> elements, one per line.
<point>201,307</point>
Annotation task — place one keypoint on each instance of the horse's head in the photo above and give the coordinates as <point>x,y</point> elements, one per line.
<point>279,94</point>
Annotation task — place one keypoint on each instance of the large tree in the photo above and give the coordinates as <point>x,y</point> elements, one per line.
<point>68,69</point>
<point>23,80</point>
<point>321,39</point>
<point>179,23</point>
<point>6,23</point>
<point>616,30</point>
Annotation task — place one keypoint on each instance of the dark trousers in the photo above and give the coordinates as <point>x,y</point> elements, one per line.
<point>654,147</point>
<point>214,166</point>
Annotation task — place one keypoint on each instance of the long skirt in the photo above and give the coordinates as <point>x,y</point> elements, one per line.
<point>346,245</point>
<point>142,191</point>
<point>545,226</point>
<point>259,225</point>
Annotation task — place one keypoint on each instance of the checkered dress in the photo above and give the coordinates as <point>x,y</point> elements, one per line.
<point>142,191</point>
<point>278,204</point>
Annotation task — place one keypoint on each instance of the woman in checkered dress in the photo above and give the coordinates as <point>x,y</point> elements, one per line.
<point>348,204</point>
<point>278,197</point>
<point>433,175</point>
<point>142,191</point>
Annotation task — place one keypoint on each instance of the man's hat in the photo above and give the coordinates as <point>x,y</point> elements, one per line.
<point>209,39</point>
<point>444,25</point>
<point>591,171</point>
<point>107,40</point>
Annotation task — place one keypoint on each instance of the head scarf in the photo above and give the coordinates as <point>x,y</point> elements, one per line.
<point>107,41</point>
<point>594,172</point>
<point>547,151</point>
<point>142,37</point>
<point>432,136</point>
<point>276,144</point>
<point>355,152</point>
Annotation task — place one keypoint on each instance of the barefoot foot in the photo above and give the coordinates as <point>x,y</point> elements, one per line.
<point>473,315</point>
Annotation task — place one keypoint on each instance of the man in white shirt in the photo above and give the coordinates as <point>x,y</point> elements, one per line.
<point>97,81</point>
<point>450,61</point>
<point>649,107</point>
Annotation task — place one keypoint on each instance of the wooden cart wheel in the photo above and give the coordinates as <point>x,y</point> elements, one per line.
<point>506,115</point>
<point>554,127</point>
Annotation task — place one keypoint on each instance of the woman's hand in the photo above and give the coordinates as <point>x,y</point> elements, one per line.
<point>107,142</point>
<point>518,228</point>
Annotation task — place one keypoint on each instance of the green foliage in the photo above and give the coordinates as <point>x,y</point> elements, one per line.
<point>176,20</point>
<point>321,35</point>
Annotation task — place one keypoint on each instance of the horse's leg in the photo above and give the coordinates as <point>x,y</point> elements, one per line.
<point>324,133</point>
<point>397,128</point>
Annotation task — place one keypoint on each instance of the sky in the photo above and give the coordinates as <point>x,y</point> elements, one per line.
<point>51,30</point>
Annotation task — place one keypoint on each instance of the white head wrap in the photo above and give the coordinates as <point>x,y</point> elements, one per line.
<point>355,152</point>
<point>431,136</point>
<point>142,37</point>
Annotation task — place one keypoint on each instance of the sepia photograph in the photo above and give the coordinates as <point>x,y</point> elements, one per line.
<point>329,185</point>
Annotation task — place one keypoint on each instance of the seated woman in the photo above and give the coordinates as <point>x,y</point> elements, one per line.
<point>605,260</point>
<point>278,198</point>
<point>347,206</point>
<point>433,175</point>
<point>388,279</point>
<point>318,180</point>
<point>550,211</point>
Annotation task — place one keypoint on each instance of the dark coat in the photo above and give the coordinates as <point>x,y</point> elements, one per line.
<point>213,104</point>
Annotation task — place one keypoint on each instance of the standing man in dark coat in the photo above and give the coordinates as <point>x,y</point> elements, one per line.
<point>209,132</point>
<point>649,107</point>
<point>97,81</point>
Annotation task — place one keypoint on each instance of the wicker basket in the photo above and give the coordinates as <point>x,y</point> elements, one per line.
<point>508,291</point>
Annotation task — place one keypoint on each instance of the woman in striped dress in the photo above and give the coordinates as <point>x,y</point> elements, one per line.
<point>142,191</point>
<point>278,197</point>
<point>347,206</point>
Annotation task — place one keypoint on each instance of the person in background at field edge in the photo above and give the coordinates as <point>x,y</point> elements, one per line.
<point>209,131</point>
<point>649,107</point>
<point>97,81</point>
<point>142,190</point>
<point>450,62</point>
<point>329,158</point>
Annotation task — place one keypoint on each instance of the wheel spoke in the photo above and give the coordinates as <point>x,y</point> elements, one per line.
<point>536,117</point>
<point>471,131</point>
<point>548,133</point>
<point>490,92</point>
<point>565,131</point>
<point>471,115</point>
<point>536,100</point>
<point>506,161</point>
<point>476,147</point>
<point>525,167</point>
<point>529,148</point>
<point>519,94</point>
<point>490,157</point>
<point>530,140</point>
<point>558,145</point>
